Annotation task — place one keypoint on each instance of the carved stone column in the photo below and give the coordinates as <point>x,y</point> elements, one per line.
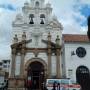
<point>22,63</point>
<point>49,63</point>
<point>58,65</point>
<point>49,55</point>
<point>22,54</point>
<point>13,62</point>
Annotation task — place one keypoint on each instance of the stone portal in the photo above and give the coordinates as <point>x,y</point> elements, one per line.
<point>35,76</point>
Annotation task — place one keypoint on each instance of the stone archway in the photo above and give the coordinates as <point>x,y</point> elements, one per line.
<point>36,71</point>
<point>34,60</point>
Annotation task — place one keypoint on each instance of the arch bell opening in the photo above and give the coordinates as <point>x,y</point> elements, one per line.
<point>35,73</point>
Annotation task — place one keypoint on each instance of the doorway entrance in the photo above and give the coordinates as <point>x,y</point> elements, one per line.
<point>35,75</point>
<point>83,76</point>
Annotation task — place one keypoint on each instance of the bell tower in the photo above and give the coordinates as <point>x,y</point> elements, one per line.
<point>37,3</point>
<point>37,12</point>
<point>37,37</point>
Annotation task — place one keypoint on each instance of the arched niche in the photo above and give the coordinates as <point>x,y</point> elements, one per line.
<point>42,16</point>
<point>31,16</point>
<point>37,3</point>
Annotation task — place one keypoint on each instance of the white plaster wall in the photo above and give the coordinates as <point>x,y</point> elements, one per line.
<point>72,62</point>
<point>63,62</point>
<point>42,34</point>
<point>28,56</point>
<point>43,56</point>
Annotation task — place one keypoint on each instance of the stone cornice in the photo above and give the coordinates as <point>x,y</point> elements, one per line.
<point>21,48</point>
<point>53,45</point>
<point>25,49</point>
<point>34,8</point>
<point>36,49</point>
<point>15,45</point>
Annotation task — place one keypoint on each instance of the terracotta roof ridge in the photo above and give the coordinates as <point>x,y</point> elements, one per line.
<point>75,38</point>
<point>76,34</point>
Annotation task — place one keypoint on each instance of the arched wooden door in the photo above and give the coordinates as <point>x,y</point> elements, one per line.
<point>83,76</point>
<point>35,75</point>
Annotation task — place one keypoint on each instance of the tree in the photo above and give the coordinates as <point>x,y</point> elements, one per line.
<point>88,32</point>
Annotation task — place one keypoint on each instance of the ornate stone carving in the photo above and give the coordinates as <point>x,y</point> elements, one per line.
<point>15,38</point>
<point>49,51</point>
<point>24,36</point>
<point>13,50</point>
<point>55,24</point>
<point>58,52</point>
<point>36,52</point>
<point>23,51</point>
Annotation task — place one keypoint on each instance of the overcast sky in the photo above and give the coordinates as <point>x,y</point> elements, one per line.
<point>71,13</point>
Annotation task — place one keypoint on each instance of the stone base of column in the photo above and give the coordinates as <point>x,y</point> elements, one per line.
<point>16,88</point>
<point>16,84</point>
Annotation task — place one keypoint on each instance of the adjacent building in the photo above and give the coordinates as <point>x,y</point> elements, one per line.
<point>76,55</point>
<point>5,65</point>
<point>4,70</point>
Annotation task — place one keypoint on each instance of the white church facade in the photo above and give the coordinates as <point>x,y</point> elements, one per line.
<point>40,50</point>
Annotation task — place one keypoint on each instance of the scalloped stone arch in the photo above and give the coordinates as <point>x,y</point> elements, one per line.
<point>35,60</point>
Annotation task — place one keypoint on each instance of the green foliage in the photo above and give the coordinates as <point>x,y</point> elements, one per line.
<point>88,32</point>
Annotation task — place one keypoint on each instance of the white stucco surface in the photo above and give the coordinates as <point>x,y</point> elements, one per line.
<point>72,62</point>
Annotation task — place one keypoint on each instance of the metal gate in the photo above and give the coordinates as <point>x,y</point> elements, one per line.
<point>83,77</point>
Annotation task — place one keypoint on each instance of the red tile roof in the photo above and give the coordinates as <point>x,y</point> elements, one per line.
<point>75,38</point>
